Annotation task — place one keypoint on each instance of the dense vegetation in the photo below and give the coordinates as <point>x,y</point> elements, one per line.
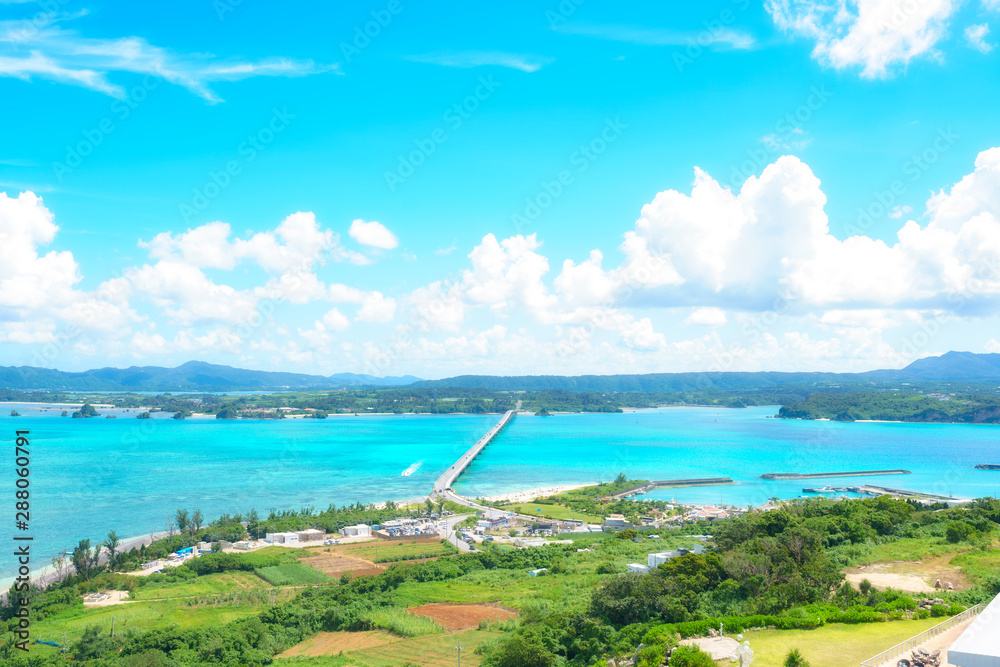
<point>777,568</point>
<point>907,406</point>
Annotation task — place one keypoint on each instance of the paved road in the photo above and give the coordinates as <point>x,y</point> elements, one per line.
<point>442,487</point>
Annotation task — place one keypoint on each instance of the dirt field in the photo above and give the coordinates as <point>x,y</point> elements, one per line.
<point>114,597</point>
<point>461,616</point>
<point>332,643</point>
<point>910,577</point>
<point>335,564</point>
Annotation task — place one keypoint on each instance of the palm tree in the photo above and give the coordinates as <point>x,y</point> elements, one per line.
<point>112,544</point>
<point>795,659</point>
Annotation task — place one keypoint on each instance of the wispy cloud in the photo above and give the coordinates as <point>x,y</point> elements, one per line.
<point>975,36</point>
<point>718,38</point>
<point>64,56</point>
<point>447,251</point>
<point>519,61</point>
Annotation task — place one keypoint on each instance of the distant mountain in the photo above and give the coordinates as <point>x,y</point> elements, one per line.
<point>201,376</point>
<point>949,367</point>
<point>192,376</point>
<point>956,365</point>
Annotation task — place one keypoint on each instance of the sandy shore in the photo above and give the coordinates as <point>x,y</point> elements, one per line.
<point>531,494</point>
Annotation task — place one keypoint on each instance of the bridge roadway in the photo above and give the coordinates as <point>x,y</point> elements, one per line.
<point>442,487</point>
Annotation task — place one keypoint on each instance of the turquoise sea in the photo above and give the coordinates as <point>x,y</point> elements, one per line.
<point>89,476</point>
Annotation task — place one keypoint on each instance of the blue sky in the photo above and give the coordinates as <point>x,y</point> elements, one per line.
<point>397,187</point>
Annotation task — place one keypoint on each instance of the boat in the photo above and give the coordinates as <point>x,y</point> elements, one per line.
<point>412,469</point>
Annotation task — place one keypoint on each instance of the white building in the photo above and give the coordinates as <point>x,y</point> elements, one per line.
<point>282,538</point>
<point>311,535</point>
<point>360,530</point>
<point>638,568</point>
<point>979,645</point>
<point>657,559</point>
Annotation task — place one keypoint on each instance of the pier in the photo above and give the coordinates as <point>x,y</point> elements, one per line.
<point>666,483</point>
<point>442,487</point>
<point>818,475</point>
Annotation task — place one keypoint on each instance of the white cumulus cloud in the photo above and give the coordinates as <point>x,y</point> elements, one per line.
<point>879,36</point>
<point>373,234</point>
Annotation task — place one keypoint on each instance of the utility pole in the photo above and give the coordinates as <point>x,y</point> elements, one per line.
<point>459,649</point>
<point>64,646</point>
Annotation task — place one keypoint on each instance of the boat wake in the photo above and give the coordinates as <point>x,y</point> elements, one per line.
<point>412,469</point>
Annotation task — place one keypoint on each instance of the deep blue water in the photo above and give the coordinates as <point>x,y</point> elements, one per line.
<point>89,476</point>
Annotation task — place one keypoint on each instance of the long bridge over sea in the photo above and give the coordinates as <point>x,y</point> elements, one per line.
<point>442,487</point>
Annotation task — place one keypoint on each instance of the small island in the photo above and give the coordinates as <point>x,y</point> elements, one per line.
<point>86,412</point>
<point>15,413</point>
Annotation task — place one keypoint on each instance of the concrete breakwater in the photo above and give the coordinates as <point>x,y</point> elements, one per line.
<point>818,475</point>
<point>649,486</point>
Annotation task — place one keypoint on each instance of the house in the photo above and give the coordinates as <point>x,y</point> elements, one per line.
<point>616,522</point>
<point>360,530</point>
<point>282,538</point>
<point>541,570</point>
<point>311,535</point>
<point>638,568</point>
<point>978,645</point>
<point>657,559</point>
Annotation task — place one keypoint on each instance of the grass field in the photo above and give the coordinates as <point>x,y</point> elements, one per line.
<point>428,651</point>
<point>291,574</point>
<point>210,584</point>
<point>143,615</point>
<point>553,512</point>
<point>833,645</point>
<point>387,549</point>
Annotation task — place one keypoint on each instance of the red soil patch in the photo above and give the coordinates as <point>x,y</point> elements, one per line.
<point>461,616</point>
<point>332,643</point>
<point>335,564</point>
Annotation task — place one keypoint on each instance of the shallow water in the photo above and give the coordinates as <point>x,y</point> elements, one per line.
<point>89,476</point>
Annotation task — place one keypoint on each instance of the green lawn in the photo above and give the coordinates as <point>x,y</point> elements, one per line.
<point>210,584</point>
<point>428,651</point>
<point>833,645</point>
<point>292,574</point>
<point>552,512</point>
<point>388,549</point>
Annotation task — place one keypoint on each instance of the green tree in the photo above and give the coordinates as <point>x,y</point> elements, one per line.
<point>521,651</point>
<point>112,543</point>
<point>81,558</point>
<point>196,521</point>
<point>182,520</point>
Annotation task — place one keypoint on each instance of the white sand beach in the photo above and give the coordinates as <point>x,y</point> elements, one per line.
<point>531,494</point>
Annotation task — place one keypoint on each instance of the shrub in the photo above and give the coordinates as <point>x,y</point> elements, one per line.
<point>690,656</point>
<point>795,659</point>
